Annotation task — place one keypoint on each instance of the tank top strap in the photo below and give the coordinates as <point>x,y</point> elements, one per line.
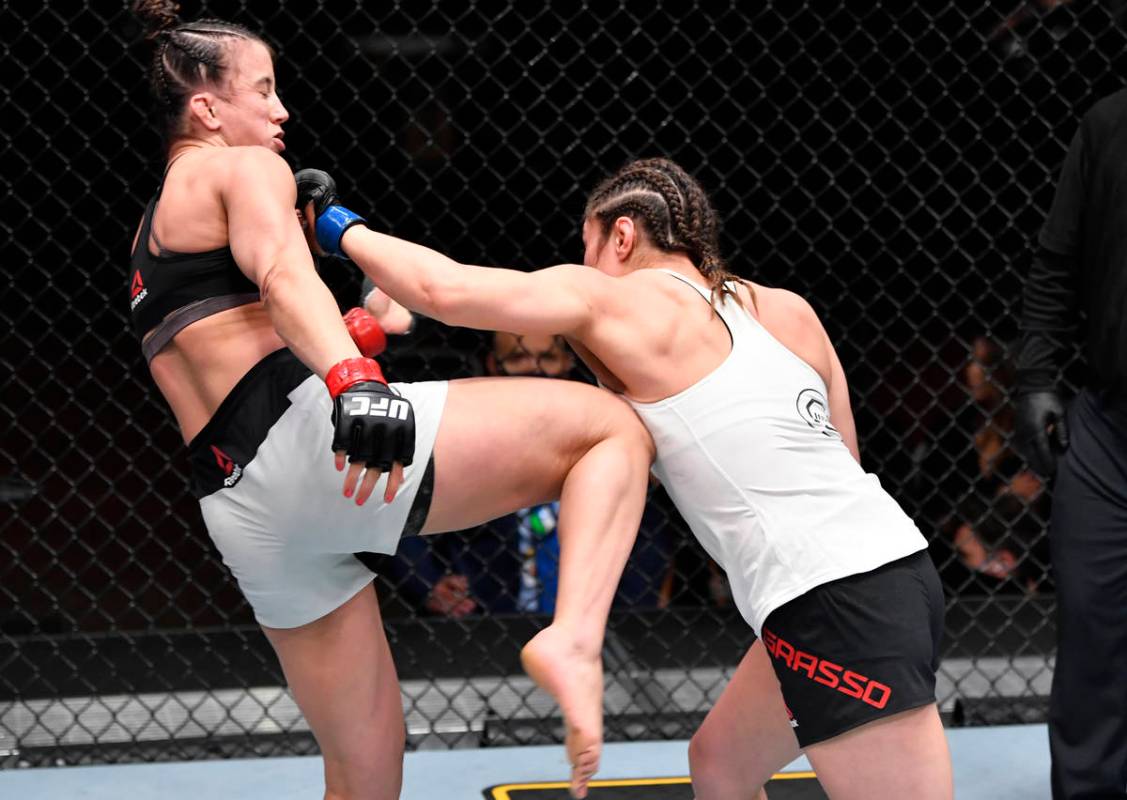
<point>735,317</point>
<point>705,293</point>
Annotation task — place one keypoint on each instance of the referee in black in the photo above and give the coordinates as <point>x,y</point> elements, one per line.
<point>1079,275</point>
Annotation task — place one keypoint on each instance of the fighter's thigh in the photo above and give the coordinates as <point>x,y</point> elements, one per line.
<point>340,671</point>
<point>508,443</point>
<point>904,755</point>
<point>747,735</point>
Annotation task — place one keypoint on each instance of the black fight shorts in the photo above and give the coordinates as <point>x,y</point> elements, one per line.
<point>858,648</point>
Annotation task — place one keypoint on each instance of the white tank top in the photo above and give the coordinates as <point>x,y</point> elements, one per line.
<point>750,458</point>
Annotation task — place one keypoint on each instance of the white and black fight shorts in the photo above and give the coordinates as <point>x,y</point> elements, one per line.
<point>272,499</point>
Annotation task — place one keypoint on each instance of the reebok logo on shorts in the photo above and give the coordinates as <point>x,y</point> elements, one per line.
<point>790,716</point>
<point>232,470</point>
<point>835,676</point>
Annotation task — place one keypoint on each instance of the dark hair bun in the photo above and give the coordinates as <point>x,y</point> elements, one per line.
<point>158,16</point>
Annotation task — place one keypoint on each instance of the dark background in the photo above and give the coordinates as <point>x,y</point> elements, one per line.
<point>892,162</point>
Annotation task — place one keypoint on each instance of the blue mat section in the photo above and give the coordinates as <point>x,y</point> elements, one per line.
<point>1000,763</point>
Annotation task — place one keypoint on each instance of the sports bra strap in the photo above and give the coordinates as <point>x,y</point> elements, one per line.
<point>146,225</point>
<point>181,318</point>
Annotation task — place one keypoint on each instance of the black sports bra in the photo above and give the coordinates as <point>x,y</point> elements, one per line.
<point>170,291</point>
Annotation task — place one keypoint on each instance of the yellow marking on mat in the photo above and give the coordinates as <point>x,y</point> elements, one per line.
<point>502,792</point>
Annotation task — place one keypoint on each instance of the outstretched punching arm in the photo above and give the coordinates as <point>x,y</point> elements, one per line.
<point>558,300</point>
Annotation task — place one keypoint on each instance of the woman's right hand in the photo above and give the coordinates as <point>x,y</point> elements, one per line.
<point>373,428</point>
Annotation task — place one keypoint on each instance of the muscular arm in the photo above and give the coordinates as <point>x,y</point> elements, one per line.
<point>841,412</point>
<point>805,335</point>
<point>557,300</point>
<point>269,247</point>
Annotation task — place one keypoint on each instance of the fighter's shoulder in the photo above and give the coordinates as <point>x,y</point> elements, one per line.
<point>654,280</point>
<point>239,167</point>
<point>787,307</point>
<point>605,297</point>
<point>784,298</point>
<point>216,158</point>
<point>587,279</point>
<point>648,289</point>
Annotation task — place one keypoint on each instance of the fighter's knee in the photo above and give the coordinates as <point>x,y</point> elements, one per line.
<point>701,755</point>
<point>379,776</point>
<point>701,769</point>
<point>694,750</point>
<point>377,787</point>
<point>715,774</point>
<point>639,439</point>
<point>622,422</point>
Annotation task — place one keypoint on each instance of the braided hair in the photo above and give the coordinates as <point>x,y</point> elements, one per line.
<point>186,55</point>
<point>672,209</point>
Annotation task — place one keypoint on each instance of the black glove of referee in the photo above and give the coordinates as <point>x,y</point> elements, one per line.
<point>1040,430</point>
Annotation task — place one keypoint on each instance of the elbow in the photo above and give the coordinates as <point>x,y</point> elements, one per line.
<point>276,284</point>
<point>441,299</point>
<point>270,284</point>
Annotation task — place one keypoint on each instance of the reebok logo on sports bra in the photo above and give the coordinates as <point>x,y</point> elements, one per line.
<point>138,292</point>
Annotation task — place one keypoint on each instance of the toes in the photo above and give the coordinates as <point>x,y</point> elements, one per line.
<point>583,768</point>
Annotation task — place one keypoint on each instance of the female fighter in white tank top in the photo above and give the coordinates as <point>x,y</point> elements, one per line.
<point>750,458</point>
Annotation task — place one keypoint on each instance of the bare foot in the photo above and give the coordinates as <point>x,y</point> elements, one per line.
<point>575,679</point>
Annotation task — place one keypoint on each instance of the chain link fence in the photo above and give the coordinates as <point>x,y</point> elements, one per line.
<point>890,161</point>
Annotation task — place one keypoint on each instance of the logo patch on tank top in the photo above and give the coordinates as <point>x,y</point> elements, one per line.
<point>815,412</point>
<point>232,470</point>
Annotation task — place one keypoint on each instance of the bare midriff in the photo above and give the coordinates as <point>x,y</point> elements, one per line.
<point>203,362</point>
